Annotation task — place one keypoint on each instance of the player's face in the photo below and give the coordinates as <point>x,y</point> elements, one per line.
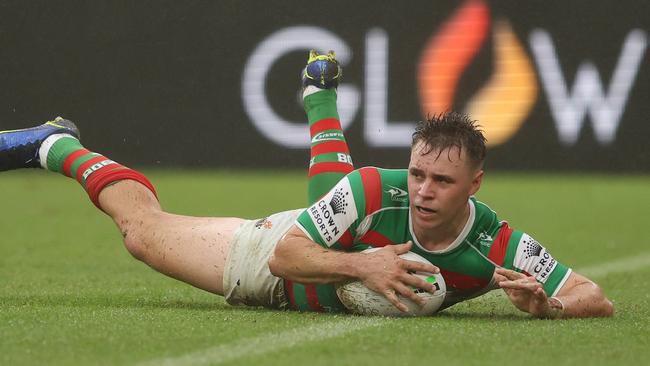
<point>439,184</point>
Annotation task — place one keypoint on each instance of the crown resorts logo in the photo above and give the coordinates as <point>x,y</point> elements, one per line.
<point>339,202</point>
<point>532,248</point>
<point>503,104</point>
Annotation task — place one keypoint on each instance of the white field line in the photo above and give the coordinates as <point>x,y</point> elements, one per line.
<point>318,332</point>
<point>267,343</point>
<point>623,265</point>
<point>628,264</point>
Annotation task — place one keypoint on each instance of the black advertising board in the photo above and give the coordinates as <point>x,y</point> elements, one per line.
<point>556,85</point>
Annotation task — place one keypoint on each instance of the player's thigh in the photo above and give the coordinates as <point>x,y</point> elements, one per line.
<point>190,249</point>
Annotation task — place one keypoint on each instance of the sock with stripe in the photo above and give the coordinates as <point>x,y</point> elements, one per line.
<point>62,153</point>
<point>330,156</point>
<point>330,161</point>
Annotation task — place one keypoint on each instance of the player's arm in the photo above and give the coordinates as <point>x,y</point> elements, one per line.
<point>538,284</point>
<point>300,259</point>
<point>582,298</point>
<point>579,297</point>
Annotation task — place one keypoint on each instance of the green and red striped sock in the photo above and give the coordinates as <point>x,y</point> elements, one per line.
<point>330,162</point>
<point>330,156</point>
<point>64,154</point>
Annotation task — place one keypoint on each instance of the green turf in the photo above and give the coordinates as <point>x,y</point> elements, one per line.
<point>70,294</point>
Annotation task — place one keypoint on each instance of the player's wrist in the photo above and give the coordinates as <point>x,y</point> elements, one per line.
<point>365,267</point>
<point>351,266</point>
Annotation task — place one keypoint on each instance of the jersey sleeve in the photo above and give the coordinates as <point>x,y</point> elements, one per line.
<point>524,254</point>
<point>332,221</point>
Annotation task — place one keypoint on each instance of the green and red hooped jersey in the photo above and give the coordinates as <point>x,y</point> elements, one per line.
<point>370,208</point>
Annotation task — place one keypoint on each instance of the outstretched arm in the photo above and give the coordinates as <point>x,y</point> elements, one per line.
<point>299,259</point>
<point>578,298</point>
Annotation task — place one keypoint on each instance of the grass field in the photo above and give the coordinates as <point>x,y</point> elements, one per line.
<point>70,294</point>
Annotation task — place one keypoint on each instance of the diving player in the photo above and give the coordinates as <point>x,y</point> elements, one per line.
<point>291,259</point>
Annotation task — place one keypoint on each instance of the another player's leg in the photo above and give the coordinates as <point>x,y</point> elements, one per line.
<point>190,249</point>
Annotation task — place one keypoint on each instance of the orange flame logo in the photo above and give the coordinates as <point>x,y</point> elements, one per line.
<point>503,104</point>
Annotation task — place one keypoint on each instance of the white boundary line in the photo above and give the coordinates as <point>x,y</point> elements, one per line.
<point>267,343</point>
<point>628,264</point>
<point>623,265</point>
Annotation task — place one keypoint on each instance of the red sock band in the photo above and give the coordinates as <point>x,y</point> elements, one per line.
<point>103,177</point>
<point>67,163</point>
<point>325,124</point>
<point>330,167</point>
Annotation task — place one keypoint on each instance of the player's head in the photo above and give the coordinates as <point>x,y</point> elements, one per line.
<point>451,131</point>
<point>446,163</point>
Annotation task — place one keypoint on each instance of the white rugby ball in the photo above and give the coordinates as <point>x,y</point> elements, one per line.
<point>359,299</point>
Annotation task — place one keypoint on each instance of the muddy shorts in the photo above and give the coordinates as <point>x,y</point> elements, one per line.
<point>247,279</point>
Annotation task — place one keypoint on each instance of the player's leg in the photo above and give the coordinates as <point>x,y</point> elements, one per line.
<point>330,156</point>
<point>329,162</point>
<point>190,249</point>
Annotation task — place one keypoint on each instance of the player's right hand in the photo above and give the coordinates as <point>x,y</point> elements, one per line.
<point>384,272</point>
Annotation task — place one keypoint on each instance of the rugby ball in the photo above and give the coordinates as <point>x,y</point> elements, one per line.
<point>359,299</point>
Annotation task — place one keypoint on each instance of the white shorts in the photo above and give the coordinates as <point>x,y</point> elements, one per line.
<point>247,279</point>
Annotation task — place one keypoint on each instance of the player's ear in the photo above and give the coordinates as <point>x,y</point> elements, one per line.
<point>476,181</point>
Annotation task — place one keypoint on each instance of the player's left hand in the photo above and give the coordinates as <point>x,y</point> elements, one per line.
<point>524,292</point>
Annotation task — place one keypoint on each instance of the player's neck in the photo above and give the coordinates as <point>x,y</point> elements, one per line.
<point>442,237</point>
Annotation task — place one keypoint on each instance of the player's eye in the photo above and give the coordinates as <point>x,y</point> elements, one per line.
<point>416,174</point>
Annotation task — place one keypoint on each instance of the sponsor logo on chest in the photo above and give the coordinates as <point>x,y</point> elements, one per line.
<point>396,194</point>
<point>485,239</point>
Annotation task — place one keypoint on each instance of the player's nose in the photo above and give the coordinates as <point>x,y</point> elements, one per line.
<point>426,189</point>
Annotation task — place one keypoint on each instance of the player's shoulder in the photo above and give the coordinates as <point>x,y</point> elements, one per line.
<point>394,187</point>
<point>393,176</point>
<point>380,187</point>
<point>485,226</point>
<point>482,208</point>
<point>373,174</point>
<point>484,216</point>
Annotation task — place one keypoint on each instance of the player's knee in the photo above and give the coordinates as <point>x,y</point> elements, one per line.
<point>135,247</point>
<point>133,243</point>
<point>136,234</point>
